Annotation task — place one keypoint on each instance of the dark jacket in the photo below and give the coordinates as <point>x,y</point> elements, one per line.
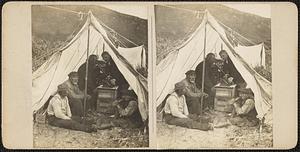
<point>230,69</point>
<point>91,81</point>
<point>211,78</point>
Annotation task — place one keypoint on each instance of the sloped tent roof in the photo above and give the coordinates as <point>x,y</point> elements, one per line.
<point>55,70</point>
<point>187,56</point>
<point>254,55</point>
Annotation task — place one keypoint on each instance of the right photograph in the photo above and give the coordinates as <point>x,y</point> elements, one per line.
<point>213,76</point>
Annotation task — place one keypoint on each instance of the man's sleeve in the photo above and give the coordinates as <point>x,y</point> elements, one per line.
<point>245,108</point>
<point>190,93</point>
<point>185,110</point>
<point>172,101</point>
<point>130,109</point>
<point>57,109</point>
<point>69,113</point>
<point>74,95</point>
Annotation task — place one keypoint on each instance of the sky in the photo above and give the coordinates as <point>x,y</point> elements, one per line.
<point>140,11</point>
<point>263,10</point>
<point>130,9</point>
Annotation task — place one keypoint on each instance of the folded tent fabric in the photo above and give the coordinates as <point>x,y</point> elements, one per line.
<point>69,58</point>
<point>253,55</point>
<point>188,55</point>
<point>136,56</point>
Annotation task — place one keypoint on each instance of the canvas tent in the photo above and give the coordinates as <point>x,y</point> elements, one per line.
<point>91,39</point>
<point>211,37</point>
<point>254,55</point>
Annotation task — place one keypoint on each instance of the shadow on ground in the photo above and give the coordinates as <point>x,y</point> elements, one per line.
<point>46,136</point>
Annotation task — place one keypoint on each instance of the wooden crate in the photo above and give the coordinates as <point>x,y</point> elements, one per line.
<point>105,98</point>
<point>223,105</point>
<point>223,95</point>
<point>225,91</point>
<point>107,93</point>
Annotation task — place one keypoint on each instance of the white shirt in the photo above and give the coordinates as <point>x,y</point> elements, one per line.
<point>176,106</point>
<point>59,107</point>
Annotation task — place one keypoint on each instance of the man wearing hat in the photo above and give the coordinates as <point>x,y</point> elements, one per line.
<point>176,110</point>
<point>127,112</point>
<point>75,95</point>
<point>244,108</point>
<point>192,93</point>
<point>59,113</point>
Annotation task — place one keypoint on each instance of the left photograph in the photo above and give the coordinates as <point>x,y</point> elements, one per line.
<point>89,76</point>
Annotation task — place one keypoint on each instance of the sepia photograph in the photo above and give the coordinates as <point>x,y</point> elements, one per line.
<point>214,76</point>
<point>89,76</point>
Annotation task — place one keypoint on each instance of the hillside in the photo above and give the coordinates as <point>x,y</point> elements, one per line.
<point>52,28</point>
<point>173,25</point>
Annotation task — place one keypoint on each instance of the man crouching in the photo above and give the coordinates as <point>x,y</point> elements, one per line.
<point>244,113</point>
<point>127,112</point>
<point>176,111</point>
<point>59,113</point>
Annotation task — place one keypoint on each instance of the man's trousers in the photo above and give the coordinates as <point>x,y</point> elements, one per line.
<point>186,122</point>
<point>75,123</point>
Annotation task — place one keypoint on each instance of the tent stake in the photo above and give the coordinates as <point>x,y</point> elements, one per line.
<point>86,74</point>
<point>203,71</point>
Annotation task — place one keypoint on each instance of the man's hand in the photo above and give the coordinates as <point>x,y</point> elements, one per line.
<point>205,95</point>
<point>226,76</point>
<point>230,79</point>
<point>113,82</point>
<point>232,101</point>
<point>115,103</point>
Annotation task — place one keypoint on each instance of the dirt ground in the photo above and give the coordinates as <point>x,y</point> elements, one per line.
<point>230,136</point>
<point>46,136</point>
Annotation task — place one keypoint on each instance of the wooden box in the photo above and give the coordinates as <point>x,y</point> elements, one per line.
<point>225,91</point>
<point>105,98</point>
<point>222,105</point>
<point>107,93</point>
<point>223,95</point>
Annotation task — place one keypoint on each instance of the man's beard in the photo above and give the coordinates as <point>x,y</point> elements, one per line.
<point>74,83</point>
<point>192,80</point>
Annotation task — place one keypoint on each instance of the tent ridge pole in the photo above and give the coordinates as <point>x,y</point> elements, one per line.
<point>86,68</point>
<point>203,69</point>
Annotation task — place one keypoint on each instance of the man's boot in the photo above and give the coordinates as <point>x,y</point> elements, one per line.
<point>105,126</point>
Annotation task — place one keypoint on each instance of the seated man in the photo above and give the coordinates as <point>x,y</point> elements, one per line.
<point>75,95</point>
<point>192,94</point>
<point>244,109</point>
<point>127,111</point>
<point>176,111</point>
<point>103,78</point>
<point>59,113</point>
<point>114,72</point>
<point>229,68</point>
